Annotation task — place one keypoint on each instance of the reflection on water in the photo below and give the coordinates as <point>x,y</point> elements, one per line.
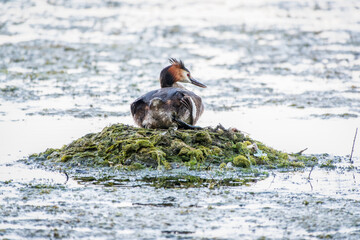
<point>286,72</point>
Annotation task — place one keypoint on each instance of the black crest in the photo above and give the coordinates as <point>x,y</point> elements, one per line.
<point>180,63</point>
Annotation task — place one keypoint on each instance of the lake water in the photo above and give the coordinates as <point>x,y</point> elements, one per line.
<point>286,73</point>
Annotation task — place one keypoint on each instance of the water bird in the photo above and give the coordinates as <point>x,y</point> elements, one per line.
<point>172,104</point>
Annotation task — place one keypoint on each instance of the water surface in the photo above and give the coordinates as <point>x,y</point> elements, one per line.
<point>287,73</point>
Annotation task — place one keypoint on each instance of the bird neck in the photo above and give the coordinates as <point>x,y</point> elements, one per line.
<point>178,85</point>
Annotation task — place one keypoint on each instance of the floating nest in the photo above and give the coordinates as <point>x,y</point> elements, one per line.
<point>123,146</point>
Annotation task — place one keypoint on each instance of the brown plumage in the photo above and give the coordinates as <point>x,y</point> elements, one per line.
<point>172,104</point>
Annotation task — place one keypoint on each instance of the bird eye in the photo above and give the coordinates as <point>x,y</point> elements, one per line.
<point>188,75</point>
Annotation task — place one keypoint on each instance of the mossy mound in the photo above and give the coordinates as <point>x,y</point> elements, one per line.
<point>124,146</point>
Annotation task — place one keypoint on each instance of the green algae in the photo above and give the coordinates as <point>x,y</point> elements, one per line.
<point>241,161</point>
<point>130,148</point>
<point>329,163</point>
<point>189,181</point>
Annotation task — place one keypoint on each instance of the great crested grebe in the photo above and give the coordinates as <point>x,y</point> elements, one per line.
<point>172,104</point>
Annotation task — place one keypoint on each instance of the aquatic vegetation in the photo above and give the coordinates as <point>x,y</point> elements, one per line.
<point>210,157</point>
<point>186,181</point>
<point>131,148</point>
<point>329,163</point>
<point>241,161</point>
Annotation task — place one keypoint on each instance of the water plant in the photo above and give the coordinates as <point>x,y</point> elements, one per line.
<point>126,147</point>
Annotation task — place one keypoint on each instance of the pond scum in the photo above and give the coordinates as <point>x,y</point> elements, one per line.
<point>130,148</point>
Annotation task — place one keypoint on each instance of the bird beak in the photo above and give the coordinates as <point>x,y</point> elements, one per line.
<point>197,83</point>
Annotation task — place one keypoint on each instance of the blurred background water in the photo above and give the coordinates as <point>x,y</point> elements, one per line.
<point>285,72</point>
